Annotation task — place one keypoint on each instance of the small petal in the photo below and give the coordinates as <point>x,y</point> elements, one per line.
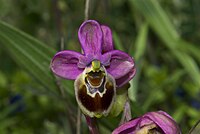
<point>107,39</point>
<point>126,78</point>
<point>152,120</point>
<point>127,128</point>
<point>91,37</point>
<point>164,121</point>
<point>120,63</point>
<point>121,66</point>
<point>65,64</point>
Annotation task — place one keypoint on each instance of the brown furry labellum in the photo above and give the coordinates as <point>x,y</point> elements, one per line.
<point>95,91</point>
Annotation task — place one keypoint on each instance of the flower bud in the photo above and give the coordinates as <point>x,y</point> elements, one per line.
<point>150,123</point>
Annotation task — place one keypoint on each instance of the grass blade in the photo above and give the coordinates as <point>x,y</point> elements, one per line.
<point>30,54</point>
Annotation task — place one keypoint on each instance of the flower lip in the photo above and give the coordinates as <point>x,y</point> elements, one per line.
<point>93,101</point>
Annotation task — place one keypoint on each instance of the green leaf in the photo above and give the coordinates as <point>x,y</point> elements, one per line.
<point>141,42</point>
<point>157,18</point>
<point>190,48</point>
<point>161,24</point>
<point>117,41</point>
<point>137,53</point>
<point>190,66</point>
<point>157,93</point>
<point>30,54</point>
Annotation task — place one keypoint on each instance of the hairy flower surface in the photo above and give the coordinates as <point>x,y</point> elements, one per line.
<point>150,123</point>
<point>98,71</point>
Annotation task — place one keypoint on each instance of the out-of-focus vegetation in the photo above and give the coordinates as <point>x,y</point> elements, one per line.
<point>162,36</point>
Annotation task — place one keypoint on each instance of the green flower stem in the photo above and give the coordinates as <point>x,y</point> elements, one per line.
<point>78,122</point>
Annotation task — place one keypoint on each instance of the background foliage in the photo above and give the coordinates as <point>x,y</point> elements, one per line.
<point>162,36</point>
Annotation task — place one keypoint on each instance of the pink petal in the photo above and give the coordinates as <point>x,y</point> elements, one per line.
<point>127,128</point>
<point>160,118</point>
<point>164,121</point>
<point>121,66</point>
<point>126,78</point>
<point>91,37</point>
<point>107,39</point>
<point>65,64</point>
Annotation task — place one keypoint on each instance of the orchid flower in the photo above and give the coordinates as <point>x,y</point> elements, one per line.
<point>97,72</point>
<point>150,123</point>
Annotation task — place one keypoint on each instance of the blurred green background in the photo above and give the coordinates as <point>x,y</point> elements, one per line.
<point>162,36</point>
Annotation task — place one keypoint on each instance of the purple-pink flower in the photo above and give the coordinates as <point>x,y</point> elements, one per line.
<point>153,122</point>
<point>97,44</point>
<point>97,71</point>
